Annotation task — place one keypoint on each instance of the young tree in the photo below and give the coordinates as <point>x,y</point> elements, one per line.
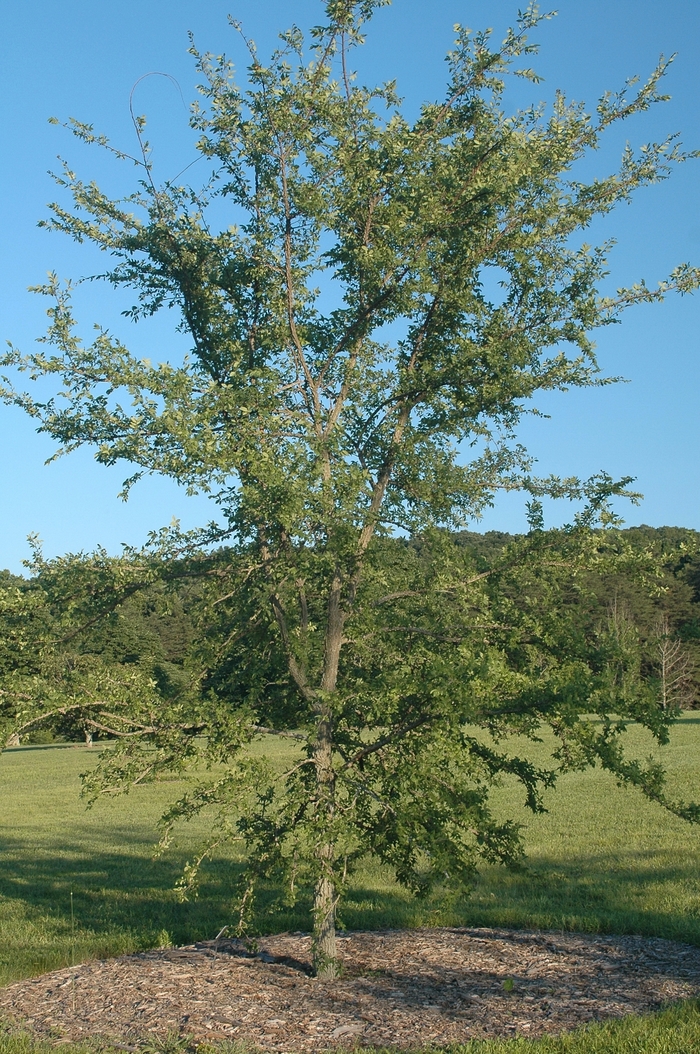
<point>345,359</point>
<point>673,668</point>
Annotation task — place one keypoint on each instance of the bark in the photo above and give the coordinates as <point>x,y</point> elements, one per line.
<point>326,964</point>
<point>325,952</point>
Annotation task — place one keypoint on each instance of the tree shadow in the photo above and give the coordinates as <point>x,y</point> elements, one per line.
<point>631,891</point>
<point>123,890</point>
<point>126,890</point>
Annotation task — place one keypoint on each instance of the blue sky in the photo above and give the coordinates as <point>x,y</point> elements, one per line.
<point>81,58</point>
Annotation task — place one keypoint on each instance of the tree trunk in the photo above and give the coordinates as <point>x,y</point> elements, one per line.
<point>324,946</point>
<point>326,965</point>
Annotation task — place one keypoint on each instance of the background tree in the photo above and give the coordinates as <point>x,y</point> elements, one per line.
<point>70,648</point>
<point>674,668</point>
<point>346,358</point>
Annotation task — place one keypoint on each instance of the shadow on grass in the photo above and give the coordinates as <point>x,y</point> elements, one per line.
<point>114,889</point>
<point>644,892</point>
<point>46,746</point>
<point>126,891</point>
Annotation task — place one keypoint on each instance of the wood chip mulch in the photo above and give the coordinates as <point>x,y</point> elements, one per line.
<point>399,989</point>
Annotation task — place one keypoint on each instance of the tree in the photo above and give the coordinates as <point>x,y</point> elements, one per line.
<point>674,668</point>
<point>350,377</point>
<point>66,655</point>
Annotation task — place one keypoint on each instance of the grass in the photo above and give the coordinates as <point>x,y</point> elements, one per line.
<point>601,860</point>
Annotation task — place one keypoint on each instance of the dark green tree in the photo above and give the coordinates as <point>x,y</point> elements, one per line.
<point>73,645</point>
<point>350,377</point>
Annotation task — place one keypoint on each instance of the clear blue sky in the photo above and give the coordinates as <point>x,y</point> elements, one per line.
<point>81,57</point>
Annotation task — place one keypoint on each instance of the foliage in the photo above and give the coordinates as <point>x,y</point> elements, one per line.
<point>345,360</point>
<point>80,634</point>
<point>153,627</point>
<point>652,619</point>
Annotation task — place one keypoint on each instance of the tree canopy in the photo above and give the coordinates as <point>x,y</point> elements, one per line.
<point>352,381</point>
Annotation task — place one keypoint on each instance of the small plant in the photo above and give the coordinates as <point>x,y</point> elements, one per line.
<point>227,1046</point>
<point>163,939</point>
<point>508,984</point>
<point>171,1043</point>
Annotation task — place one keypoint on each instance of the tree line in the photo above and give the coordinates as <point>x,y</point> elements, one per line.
<point>164,629</point>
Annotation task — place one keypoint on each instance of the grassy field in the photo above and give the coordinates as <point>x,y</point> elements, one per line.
<point>602,859</point>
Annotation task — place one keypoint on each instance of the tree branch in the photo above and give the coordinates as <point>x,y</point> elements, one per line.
<point>391,737</point>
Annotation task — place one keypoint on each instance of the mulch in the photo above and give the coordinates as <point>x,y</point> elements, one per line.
<point>398,989</point>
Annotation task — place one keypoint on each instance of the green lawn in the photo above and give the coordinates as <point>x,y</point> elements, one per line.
<point>602,859</point>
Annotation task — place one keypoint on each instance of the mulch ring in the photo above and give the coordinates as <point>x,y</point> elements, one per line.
<point>398,989</point>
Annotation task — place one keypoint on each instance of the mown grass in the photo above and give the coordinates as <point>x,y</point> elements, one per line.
<point>601,860</point>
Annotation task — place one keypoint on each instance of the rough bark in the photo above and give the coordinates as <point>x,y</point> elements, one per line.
<point>324,950</point>
<point>326,963</point>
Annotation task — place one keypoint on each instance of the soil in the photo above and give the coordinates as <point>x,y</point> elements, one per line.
<point>397,989</point>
